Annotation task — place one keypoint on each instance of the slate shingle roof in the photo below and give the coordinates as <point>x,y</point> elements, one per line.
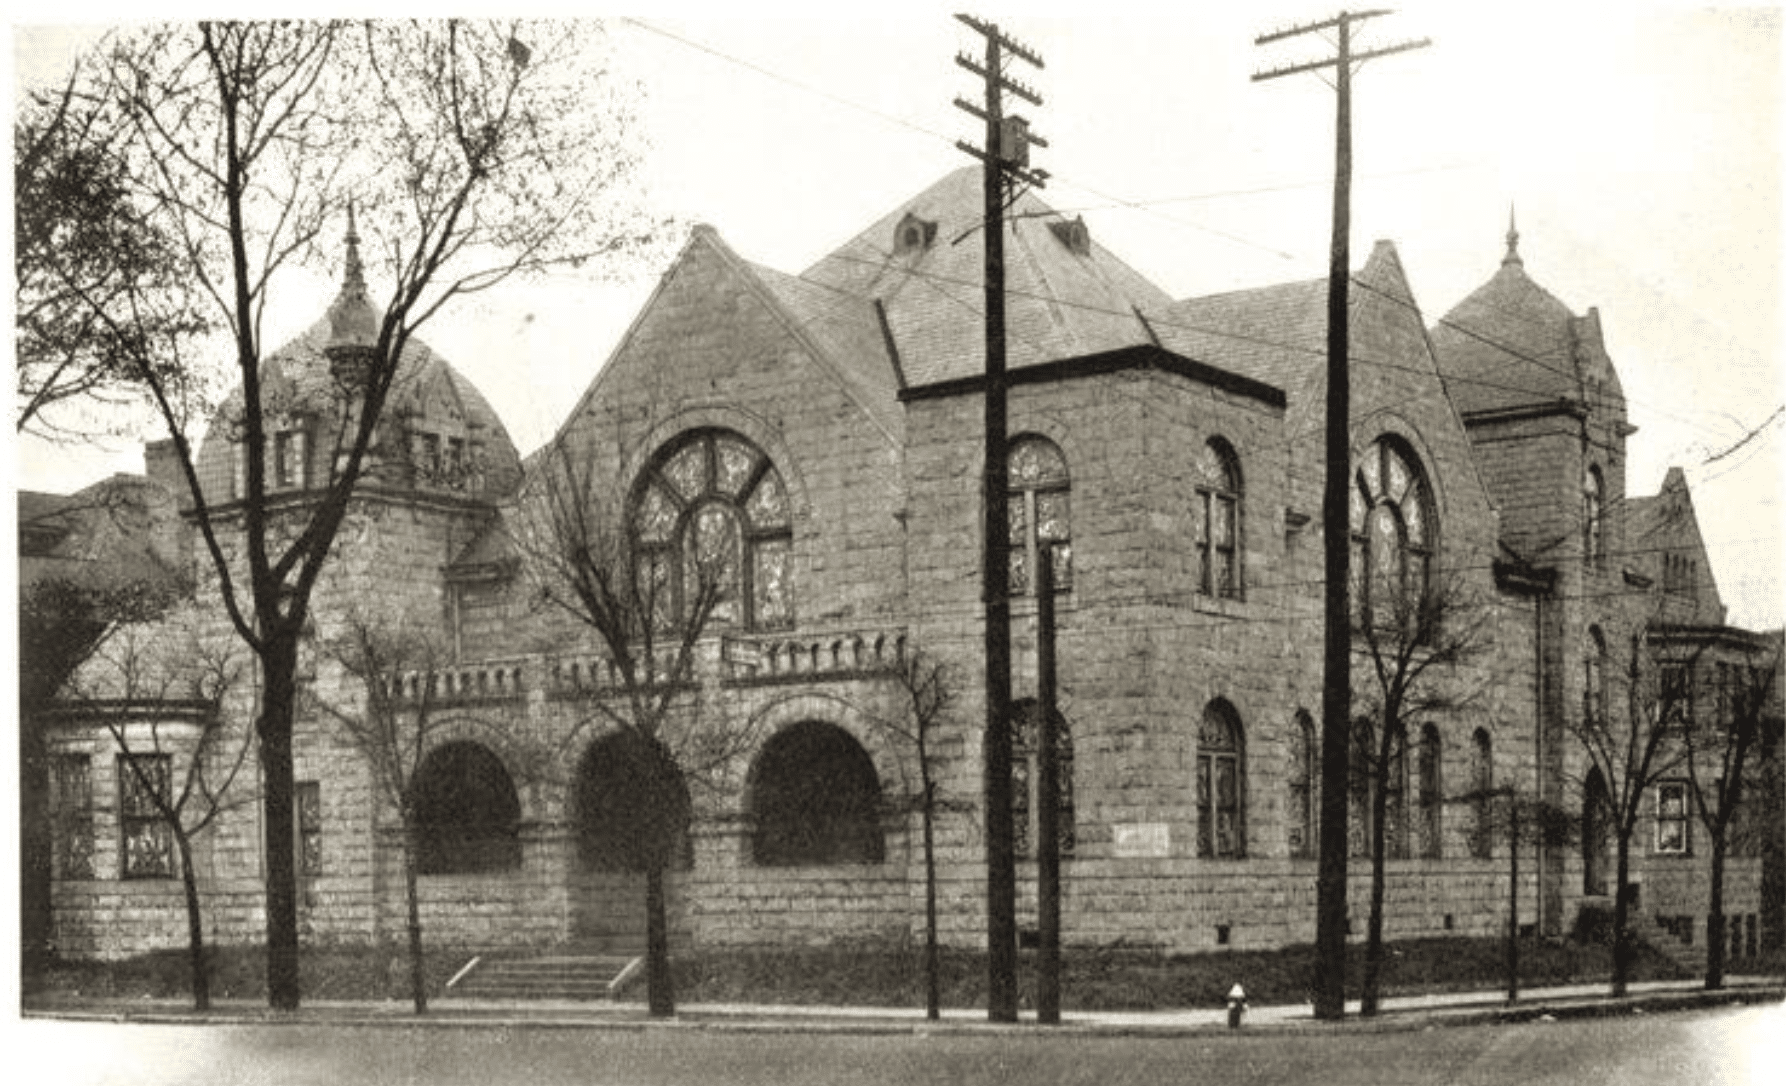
<point>1510,343</point>
<point>296,378</point>
<point>1061,303</point>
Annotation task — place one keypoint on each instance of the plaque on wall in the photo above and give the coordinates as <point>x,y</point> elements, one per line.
<point>1142,840</point>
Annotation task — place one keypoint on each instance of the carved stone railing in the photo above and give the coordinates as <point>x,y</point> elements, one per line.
<point>744,659</point>
<point>485,681</point>
<point>811,657</point>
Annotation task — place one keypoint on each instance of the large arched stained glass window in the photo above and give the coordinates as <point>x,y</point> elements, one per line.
<point>1039,513</point>
<point>712,509</point>
<point>1392,541</point>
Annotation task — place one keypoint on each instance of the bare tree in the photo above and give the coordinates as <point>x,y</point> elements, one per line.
<point>159,688</point>
<point>1411,642</point>
<point>926,698</point>
<point>649,610</point>
<point>391,730</point>
<point>472,151</point>
<point>1503,813</point>
<point>1631,741</point>
<point>1726,743</point>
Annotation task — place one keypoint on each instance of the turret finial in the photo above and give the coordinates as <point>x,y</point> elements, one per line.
<point>354,281</point>
<point>1512,256</point>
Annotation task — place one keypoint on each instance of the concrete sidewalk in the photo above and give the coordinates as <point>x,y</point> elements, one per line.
<point>1398,1012</point>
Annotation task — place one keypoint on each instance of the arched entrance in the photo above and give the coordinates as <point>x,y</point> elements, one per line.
<point>815,800</point>
<point>630,805</point>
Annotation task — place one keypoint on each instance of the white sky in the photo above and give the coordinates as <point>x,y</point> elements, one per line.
<point>1640,145</point>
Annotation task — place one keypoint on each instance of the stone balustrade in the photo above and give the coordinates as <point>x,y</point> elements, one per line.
<point>775,658</point>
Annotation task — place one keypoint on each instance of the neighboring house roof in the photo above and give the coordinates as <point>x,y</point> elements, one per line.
<point>117,533</point>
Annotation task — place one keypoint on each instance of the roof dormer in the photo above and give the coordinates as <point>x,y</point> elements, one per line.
<point>913,235</point>
<point>1074,234</point>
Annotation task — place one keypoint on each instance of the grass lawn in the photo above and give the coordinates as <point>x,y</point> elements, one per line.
<point>881,975</point>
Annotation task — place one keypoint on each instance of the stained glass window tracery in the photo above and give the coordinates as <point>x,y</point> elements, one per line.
<point>713,509</point>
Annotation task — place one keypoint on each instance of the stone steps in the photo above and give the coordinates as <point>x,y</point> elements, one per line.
<point>1688,955</point>
<point>564,973</point>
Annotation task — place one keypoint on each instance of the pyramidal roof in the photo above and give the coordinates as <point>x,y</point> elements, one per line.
<point>1510,343</point>
<point>1066,296</point>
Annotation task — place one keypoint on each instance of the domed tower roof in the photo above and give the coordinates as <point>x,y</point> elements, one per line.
<point>1509,344</point>
<point>438,433</point>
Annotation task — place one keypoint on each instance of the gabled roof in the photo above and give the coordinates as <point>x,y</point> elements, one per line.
<point>1278,334</point>
<point>1066,296</point>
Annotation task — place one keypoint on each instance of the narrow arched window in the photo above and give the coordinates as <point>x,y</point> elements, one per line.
<point>1482,784</point>
<point>1393,536</point>
<point>467,812</point>
<point>815,799</point>
<point>1221,783</point>
<point>1593,500</point>
<point>1596,823</point>
<point>1026,779</point>
<point>1361,808</point>
<point>1430,781</point>
<point>1039,513</point>
<point>712,521</point>
<point>1593,709</point>
<point>1218,526</point>
<point>1304,773</point>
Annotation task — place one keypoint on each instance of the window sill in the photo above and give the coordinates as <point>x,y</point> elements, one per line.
<point>1229,606</point>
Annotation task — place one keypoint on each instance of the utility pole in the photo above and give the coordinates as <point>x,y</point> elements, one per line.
<point>1006,155</point>
<point>1047,805</point>
<point>1336,680</point>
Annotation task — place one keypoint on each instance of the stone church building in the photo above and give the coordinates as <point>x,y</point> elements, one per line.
<point>1165,451</point>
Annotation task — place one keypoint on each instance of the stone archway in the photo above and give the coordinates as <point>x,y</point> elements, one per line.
<point>628,802</point>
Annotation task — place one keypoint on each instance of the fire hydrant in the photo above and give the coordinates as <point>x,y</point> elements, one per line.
<point>1236,1005</point>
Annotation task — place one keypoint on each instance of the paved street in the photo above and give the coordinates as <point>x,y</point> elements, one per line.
<point>1723,1046</point>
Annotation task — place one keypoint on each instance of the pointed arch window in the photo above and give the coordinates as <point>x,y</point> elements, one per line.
<point>1218,527</point>
<point>1039,513</point>
<point>1221,783</point>
<point>1393,536</point>
<point>713,507</point>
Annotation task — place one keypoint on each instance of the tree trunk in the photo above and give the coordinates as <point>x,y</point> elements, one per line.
<point>418,981</point>
<point>1621,912</point>
<point>933,985</point>
<point>1513,902</point>
<point>279,665</point>
<point>660,994</point>
<point>195,923</point>
<point>1373,944</point>
<point>1715,940</point>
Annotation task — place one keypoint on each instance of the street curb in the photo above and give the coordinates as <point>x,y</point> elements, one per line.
<point>1390,1021</point>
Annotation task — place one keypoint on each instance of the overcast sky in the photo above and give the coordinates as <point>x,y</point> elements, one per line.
<point>1640,146</point>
